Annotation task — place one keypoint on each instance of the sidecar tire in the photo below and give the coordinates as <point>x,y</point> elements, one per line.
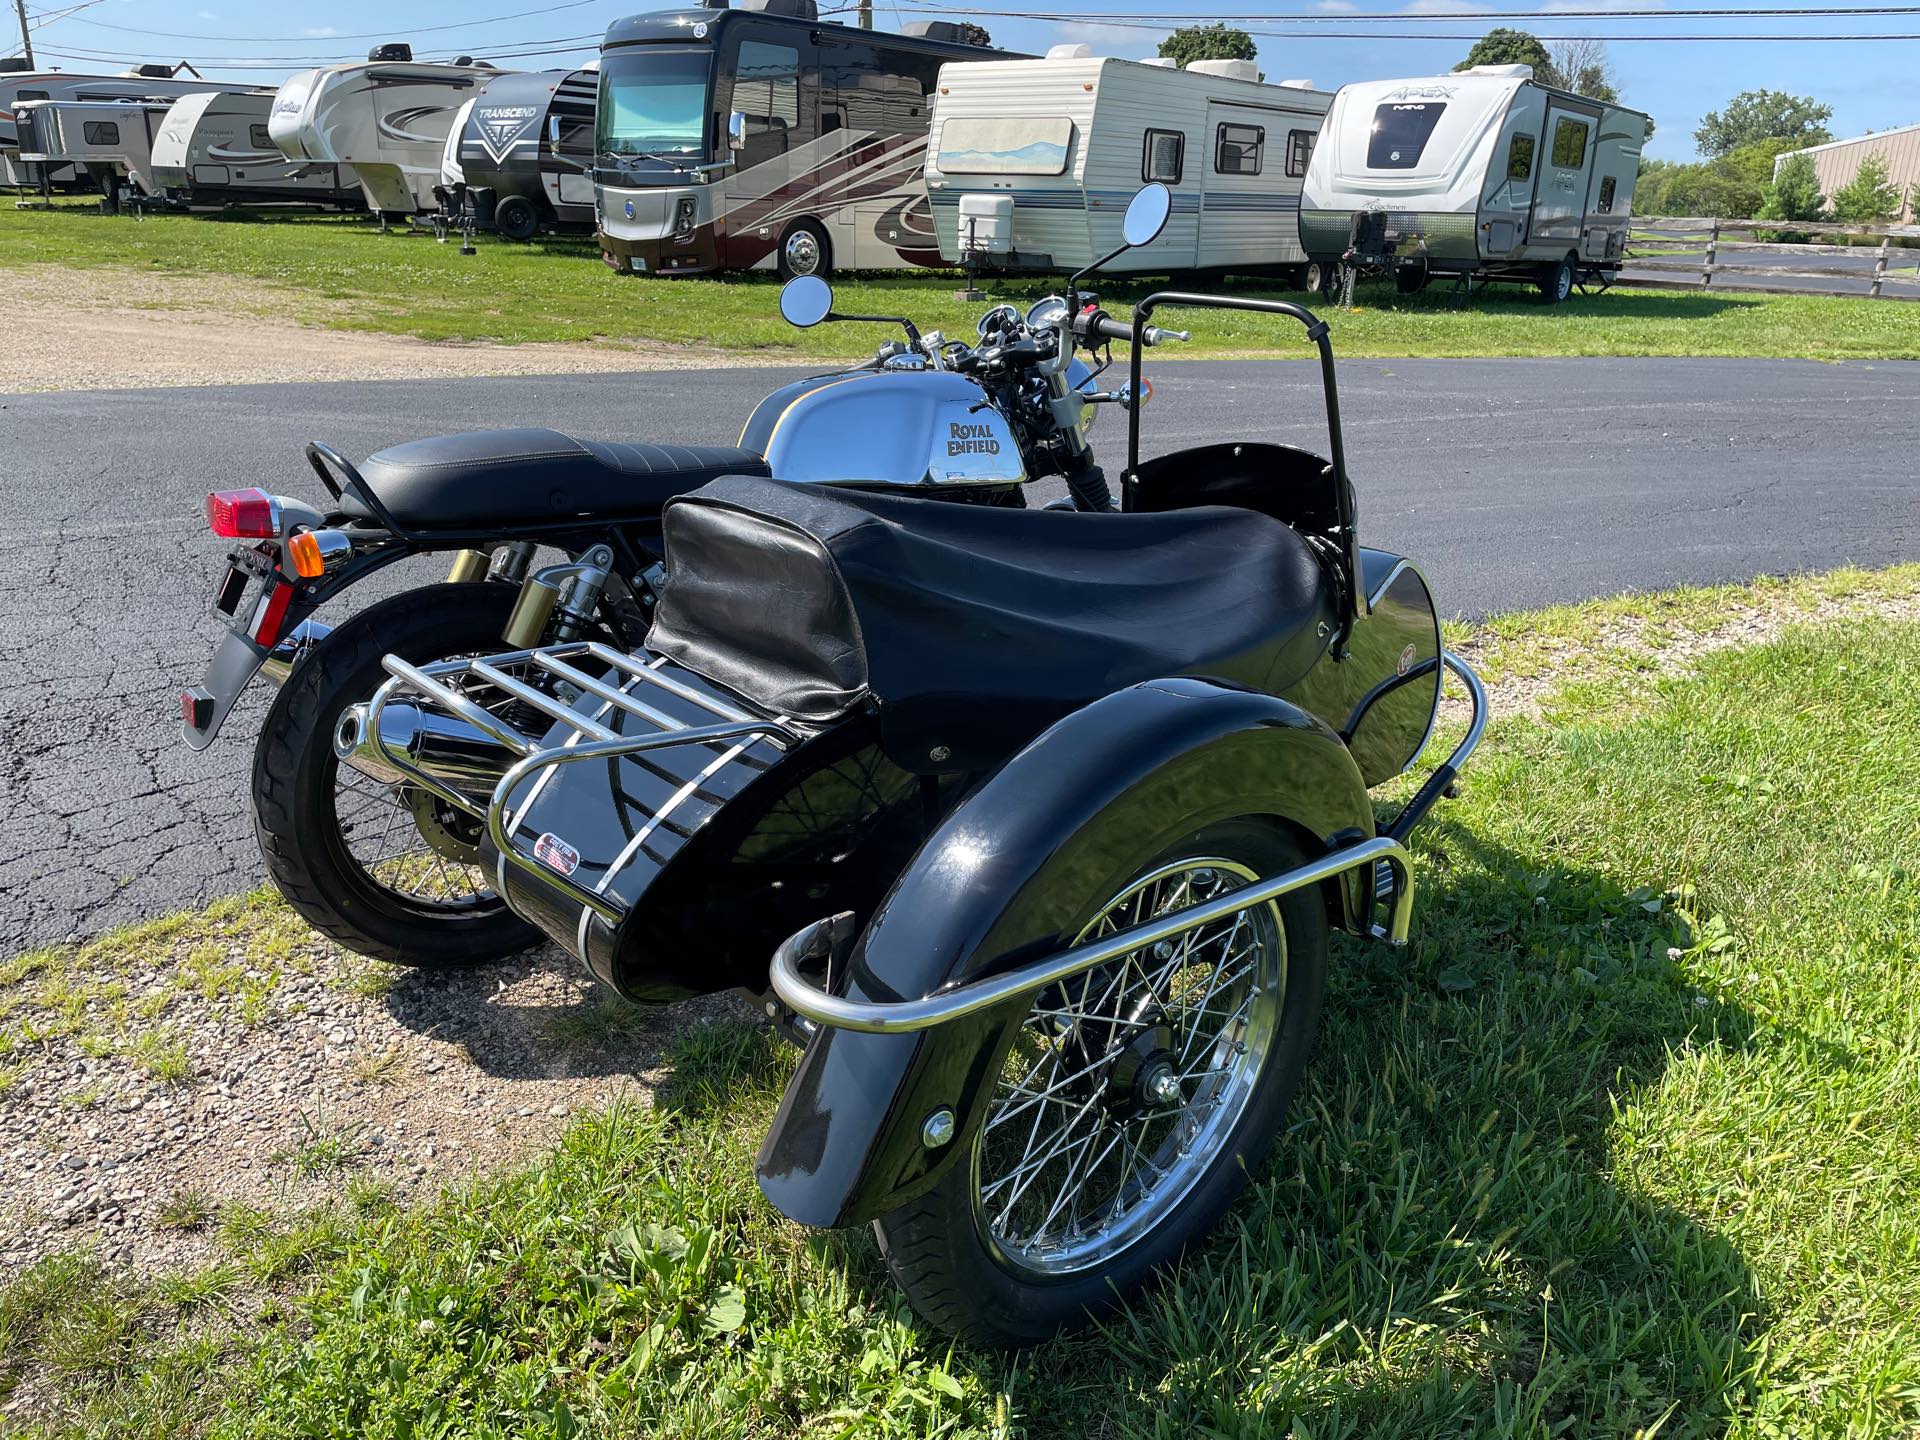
<point>293,782</point>
<point>957,1281</point>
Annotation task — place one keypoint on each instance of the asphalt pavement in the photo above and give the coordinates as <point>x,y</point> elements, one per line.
<point>1514,483</point>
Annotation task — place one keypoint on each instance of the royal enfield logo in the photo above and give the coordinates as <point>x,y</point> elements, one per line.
<point>1406,660</point>
<point>501,127</point>
<point>968,439</point>
<point>556,854</point>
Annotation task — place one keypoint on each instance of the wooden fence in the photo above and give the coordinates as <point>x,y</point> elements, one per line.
<point>1659,233</point>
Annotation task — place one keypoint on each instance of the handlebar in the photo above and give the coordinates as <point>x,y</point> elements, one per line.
<point>1099,325</point>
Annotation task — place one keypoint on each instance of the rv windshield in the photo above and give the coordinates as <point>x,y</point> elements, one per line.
<point>1400,133</point>
<point>654,102</point>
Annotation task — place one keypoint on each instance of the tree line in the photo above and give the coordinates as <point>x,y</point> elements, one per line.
<point>1735,177</point>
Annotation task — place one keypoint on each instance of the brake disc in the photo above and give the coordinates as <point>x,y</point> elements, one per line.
<point>450,831</point>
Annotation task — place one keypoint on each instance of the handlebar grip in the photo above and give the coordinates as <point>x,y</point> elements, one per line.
<point>1109,328</point>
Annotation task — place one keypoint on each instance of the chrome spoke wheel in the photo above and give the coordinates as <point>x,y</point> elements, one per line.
<point>1124,1083</point>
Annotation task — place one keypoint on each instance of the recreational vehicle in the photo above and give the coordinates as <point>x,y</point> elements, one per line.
<point>214,149</point>
<point>386,117</point>
<point>1031,162</point>
<point>111,141</point>
<point>19,86</point>
<point>764,137</point>
<point>519,157</point>
<point>1482,174</point>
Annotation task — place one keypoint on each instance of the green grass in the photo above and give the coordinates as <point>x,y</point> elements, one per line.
<point>1626,1143</point>
<point>340,271</point>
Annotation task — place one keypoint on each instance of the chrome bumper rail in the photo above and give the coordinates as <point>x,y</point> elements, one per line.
<point>590,739</point>
<point>899,1017</point>
<point>1477,693</point>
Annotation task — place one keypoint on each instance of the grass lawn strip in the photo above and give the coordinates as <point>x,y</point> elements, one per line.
<point>340,272</point>
<point>1627,1139</point>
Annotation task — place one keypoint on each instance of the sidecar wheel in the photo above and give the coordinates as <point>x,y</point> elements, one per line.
<point>1132,1108</point>
<point>380,871</point>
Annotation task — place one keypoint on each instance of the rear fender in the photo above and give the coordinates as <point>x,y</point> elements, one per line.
<point>1007,878</point>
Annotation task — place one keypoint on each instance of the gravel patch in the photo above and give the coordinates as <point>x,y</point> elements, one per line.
<point>177,1082</point>
<point>116,328</point>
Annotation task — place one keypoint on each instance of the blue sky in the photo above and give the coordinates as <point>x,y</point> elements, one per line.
<point>1869,85</point>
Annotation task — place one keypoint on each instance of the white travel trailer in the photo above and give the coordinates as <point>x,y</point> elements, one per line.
<point>1030,163</point>
<point>19,86</point>
<point>214,149</point>
<point>1482,174</point>
<point>111,141</point>
<point>387,117</point>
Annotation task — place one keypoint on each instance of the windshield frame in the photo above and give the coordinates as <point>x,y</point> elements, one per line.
<point>647,151</point>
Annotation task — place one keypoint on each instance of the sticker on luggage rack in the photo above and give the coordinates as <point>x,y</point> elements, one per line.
<point>556,854</point>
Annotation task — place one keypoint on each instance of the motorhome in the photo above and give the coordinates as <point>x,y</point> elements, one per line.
<point>214,149</point>
<point>387,117</point>
<point>1482,174</point>
<point>111,141</point>
<point>519,157</point>
<point>1030,163</point>
<point>760,136</point>
<point>19,85</point>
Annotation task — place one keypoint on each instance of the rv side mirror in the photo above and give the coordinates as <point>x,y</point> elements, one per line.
<point>737,130</point>
<point>1147,214</point>
<point>805,301</point>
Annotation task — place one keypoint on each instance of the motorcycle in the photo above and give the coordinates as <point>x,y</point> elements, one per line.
<point>387,868</point>
<point>1030,827</point>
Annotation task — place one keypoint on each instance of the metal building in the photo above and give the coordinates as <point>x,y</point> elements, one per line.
<point>1838,161</point>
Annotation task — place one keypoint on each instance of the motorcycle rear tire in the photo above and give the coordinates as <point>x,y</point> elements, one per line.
<point>958,1279</point>
<point>294,772</point>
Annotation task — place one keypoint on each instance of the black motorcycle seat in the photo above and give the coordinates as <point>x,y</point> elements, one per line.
<point>494,478</point>
<point>970,626</point>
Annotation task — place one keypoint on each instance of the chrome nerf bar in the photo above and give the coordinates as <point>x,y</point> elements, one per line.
<point>898,1017</point>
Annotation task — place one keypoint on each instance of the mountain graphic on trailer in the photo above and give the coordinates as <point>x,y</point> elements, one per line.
<point>1040,152</point>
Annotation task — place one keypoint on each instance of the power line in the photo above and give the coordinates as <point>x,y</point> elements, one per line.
<point>1132,23</point>
<point>1447,18</point>
<point>324,39</point>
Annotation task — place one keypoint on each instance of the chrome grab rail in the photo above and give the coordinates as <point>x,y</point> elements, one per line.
<point>1477,692</point>
<point>900,1017</point>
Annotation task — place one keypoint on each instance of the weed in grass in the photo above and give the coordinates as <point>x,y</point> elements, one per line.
<point>381,1069</point>
<point>320,1151</point>
<point>198,1289</point>
<point>188,1209</point>
<point>368,1195</point>
<point>600,1022</point>
<point>162,1056</point>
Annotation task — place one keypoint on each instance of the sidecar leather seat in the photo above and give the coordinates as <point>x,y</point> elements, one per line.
<point>971,625</point>
<point>518,477</point>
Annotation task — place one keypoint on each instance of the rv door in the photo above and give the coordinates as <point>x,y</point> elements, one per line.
<point>1560,200</point>
<point>1242,159</point>
<point>775,87</point>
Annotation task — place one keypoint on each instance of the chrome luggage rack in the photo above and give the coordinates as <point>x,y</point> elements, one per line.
<point>801,956</point>
<point>677,713</point>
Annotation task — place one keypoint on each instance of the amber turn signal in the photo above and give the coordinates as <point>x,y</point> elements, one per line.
<point>305,551</point>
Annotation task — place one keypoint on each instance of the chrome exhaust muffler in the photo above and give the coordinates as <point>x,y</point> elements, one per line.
<point>459,757</point>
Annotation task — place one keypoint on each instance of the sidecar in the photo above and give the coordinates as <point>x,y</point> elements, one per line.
<point>1044,820</point>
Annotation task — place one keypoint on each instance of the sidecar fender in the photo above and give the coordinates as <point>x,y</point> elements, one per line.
<point>1006,878</point>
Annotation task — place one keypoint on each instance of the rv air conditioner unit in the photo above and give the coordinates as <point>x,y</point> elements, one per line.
<point>395,52</point>
<point>1069,52</point>
<point>793,9</point>
<point>935,30</point>
<point>14,65</point>
<point>1227,69</point>
<point>1511,72</point>
<point>1162,62</point>
<point>986,226</point>
<point>1296,84</point>
<point>154,72</point>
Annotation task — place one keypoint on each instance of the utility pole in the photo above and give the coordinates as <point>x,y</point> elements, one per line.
<point>866,15</point>
<point>26,36</point>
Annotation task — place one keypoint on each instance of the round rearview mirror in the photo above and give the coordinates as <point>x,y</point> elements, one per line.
<point>805,301</point>
<point>1147,214</point>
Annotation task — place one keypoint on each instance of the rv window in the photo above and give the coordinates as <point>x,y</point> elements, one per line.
<point>1299,151</point>
<point>33,95</point>
<point>1236,149</point>
<point>1520,158</point>
<point>101,132</point>
<point>1400,133</point>
<point>653,101</point>
<point>1163,157</point>
<point>1570,144</point>
<point>1004,145</point>
<point>261,139</point>
<point>1606,195</point>
<point>766,87</point>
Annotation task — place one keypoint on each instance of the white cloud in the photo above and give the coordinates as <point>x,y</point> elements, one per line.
<point>1335,7</point>
<point>319,32</point>
<point>1561,7</point>
<point>1440,7</point>
<point>205,15</point>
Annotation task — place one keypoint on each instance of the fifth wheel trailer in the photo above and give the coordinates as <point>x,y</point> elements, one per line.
<point>1030,163</point>
<point>111,141</point>
<point>214,149</point>
<point>519,156</point>
<point>19,86</point>
<point>387,117</point>
<point>1483,174</point>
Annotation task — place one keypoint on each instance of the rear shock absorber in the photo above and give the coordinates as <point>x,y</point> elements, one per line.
<point>558,601</point>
